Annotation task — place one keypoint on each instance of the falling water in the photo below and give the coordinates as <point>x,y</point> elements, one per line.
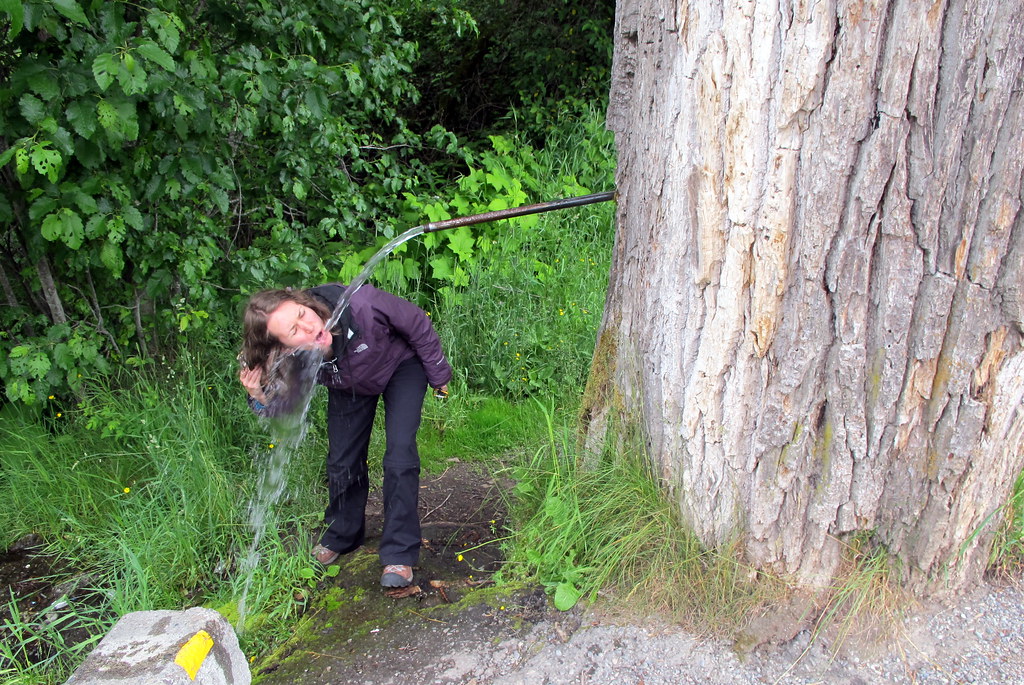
<point>300,371</point>
<point>359,280</point>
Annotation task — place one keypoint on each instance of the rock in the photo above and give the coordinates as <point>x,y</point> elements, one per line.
<point>192,647</point>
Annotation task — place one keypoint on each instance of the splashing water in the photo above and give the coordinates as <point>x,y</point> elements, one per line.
<point>301,369</point>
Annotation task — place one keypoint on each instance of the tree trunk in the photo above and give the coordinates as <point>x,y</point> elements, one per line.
<point>815,309</point>
<point>53,301</point>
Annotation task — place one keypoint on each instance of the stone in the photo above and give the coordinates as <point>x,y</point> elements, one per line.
<point>191,647</point>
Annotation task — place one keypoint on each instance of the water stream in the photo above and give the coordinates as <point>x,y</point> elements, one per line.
<point>301,368</point>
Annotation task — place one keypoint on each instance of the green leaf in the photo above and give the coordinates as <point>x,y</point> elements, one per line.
<point>62,139</point>
<point>106,114</point>
<point>41,207</point>
<point>132,216</point>
<point>82,118</point>
<point>16,11</point>
<point>112,257</point>
<point>43,84</point>
<point>32,108</point>
<point>128,119</point>
<point>442,268</point>
<point>96,226</point>
<point>72,229</point>
<point>88,153</point>
<point>168,29</point>
<point>46,161</point>
<point>85,202</point>
<point>66,226</point>
<point>566,596</point>
<point>497,204</point>
<point>104,67</point>
<point>131,77</point>
<point>173,188</point>
<point>21,160</point>
<point>116,229</point>
<point>156,54</point>
<point>220,198</point>
<point>461,242</point>
<point>72,10</point>
<point>52,227</point>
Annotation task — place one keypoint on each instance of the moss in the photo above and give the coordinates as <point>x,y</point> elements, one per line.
<point>798,430</point>
<point>596,396</point>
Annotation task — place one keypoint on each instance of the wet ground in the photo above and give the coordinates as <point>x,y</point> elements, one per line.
<point>361,633</point>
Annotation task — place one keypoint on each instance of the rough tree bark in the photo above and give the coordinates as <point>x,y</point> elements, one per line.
<point>815,309</point>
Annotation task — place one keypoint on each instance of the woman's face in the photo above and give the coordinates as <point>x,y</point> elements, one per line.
<point>295,325</point>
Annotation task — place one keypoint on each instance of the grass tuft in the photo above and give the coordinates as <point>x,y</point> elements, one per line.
<point>609,532</point>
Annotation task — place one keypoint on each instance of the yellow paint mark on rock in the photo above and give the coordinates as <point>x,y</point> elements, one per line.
<point>193,653</point>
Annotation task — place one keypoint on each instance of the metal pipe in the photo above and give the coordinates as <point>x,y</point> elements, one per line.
<point>512,212</point>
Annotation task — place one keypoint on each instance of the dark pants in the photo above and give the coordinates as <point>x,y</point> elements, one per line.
<point>349,424</point>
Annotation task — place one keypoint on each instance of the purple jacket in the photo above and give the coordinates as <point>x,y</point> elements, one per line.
<point>379,332</point>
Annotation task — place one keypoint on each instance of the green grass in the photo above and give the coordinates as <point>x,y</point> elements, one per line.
<point>1008,549</point>
<point>607,529</point>
<point>143,487</point>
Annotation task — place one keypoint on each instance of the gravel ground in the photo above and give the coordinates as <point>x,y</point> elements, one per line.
<point>975,639</point>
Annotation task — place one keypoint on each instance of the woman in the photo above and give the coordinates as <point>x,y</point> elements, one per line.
<point>382,346</point>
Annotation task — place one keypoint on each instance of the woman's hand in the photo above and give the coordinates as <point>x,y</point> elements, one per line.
<point>250,379</point>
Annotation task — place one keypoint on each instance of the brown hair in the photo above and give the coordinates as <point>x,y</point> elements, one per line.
<point>259,347</point>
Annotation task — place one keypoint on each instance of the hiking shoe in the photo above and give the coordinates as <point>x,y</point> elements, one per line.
<point>396,575</point>
<point>325,556</point>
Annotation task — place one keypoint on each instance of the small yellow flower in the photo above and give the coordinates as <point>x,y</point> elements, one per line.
<point>50,397</point>
<point>271,445</point>
<point>506,342</point>
<point>561,312</point>
<point>428,313</point>
<point>127,490</point>
<point>209,387</point>
<point>59,414</point>
<point>458,558</point>
<point>503,608</point>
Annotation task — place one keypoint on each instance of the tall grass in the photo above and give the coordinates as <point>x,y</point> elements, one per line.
<point>609,530</point>
<point>141,492</point>
<point>1008,549</point>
